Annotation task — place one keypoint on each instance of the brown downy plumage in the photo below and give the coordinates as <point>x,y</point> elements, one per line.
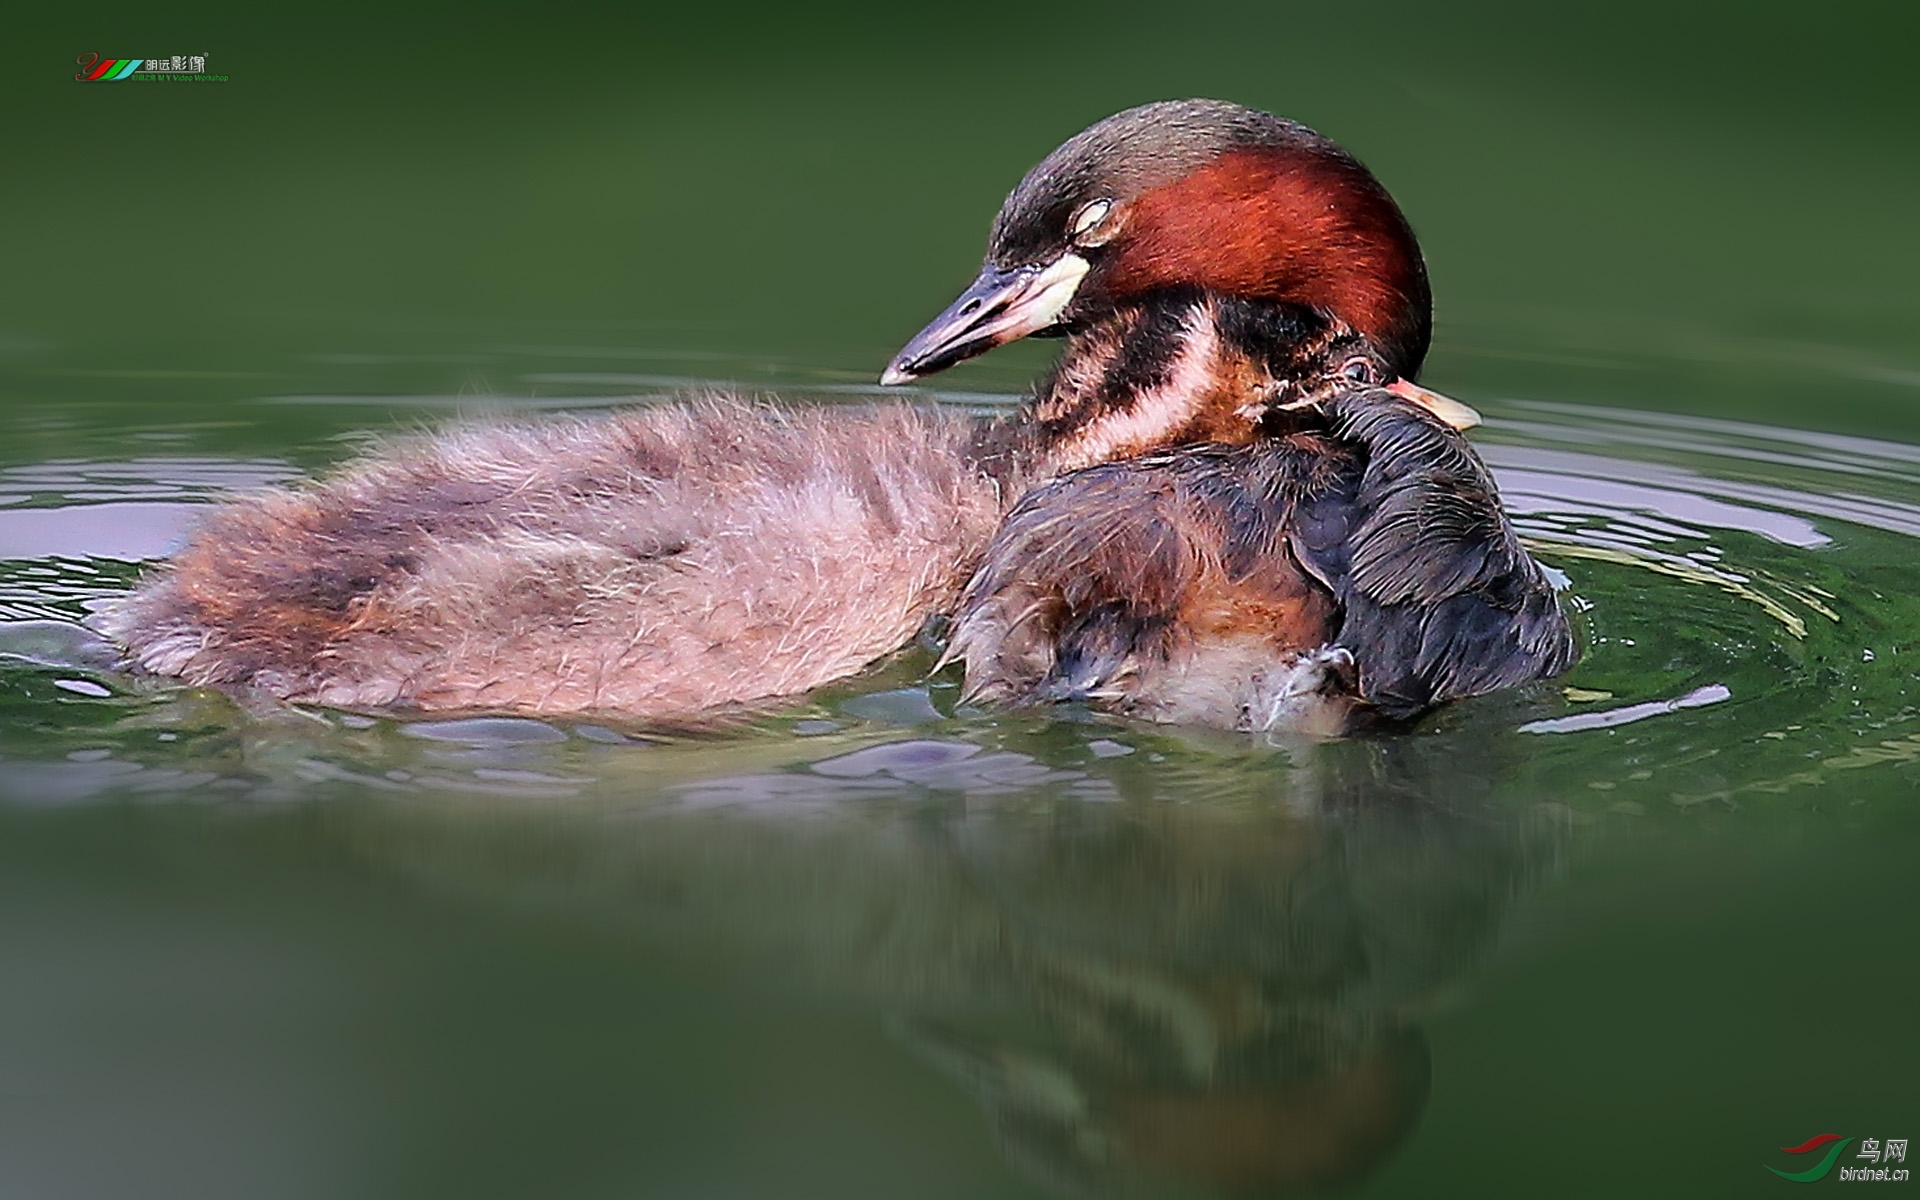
<point>655,562</point>
<point>1207,263</point>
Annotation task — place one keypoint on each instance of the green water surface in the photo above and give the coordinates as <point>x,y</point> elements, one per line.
<point>1630,932</point>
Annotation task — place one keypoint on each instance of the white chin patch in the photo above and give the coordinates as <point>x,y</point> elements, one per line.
<point>1050,293</point>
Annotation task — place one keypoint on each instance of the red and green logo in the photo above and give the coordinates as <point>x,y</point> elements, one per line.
<point>94,69</point>
<point>1818,1170</point>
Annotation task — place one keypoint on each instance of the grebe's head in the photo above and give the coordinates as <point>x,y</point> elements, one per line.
<point>1188,194</point>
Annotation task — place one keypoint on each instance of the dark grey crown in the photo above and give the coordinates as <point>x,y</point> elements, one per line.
<point>1123,156</point>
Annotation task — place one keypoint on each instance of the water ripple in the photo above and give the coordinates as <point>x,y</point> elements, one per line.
<point>1727,575</point>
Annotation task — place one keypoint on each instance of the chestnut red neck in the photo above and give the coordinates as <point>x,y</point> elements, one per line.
<point>1299,222</point>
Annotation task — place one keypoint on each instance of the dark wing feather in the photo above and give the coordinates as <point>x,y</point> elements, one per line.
<point>1440,600</point>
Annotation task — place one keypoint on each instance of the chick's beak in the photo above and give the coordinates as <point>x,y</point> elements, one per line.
<point>1001,306</point>
<point>1451,412</point>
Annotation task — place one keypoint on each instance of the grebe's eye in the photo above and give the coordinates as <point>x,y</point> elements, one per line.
<point>1087,220</point>
<point>1359,370</point>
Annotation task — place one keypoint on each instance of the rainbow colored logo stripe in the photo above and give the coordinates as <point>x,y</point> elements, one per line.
<point>94,69</point>
<point>1818,1170</point>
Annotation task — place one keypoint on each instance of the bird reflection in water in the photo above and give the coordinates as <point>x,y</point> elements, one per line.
<point>1161,990</point>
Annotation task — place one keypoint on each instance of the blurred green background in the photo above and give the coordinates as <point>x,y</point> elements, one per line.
<point>1705,207</point>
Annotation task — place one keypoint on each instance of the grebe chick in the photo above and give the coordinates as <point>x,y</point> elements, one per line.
<point>664,561</point>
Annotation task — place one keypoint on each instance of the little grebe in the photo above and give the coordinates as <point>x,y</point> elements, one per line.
<point>1210,267</point>
<point>1340,559</point>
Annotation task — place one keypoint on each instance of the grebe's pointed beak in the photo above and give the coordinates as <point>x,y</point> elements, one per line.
<point>1450,411</point>
<point>1001,306</point>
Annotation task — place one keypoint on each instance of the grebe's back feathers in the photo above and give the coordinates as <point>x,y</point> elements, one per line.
<point>1216,580</point>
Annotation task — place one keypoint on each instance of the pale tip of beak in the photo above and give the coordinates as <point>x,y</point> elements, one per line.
<point>893,376</point>
<point>1455,415</point>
